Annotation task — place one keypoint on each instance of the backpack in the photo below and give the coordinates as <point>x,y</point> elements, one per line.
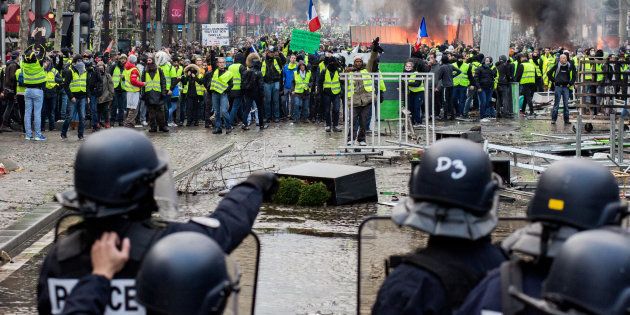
<point>21,79</point>
<point>249,81</point>
<point>99,86</point>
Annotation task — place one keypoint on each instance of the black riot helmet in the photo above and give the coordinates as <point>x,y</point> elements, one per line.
<point>455,173</point>
<point>578,193</point>
<point>114,172</point>
<point>592,273</point>
<point>185,273</point>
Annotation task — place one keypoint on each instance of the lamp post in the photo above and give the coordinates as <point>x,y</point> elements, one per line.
<point>4,8</point>
<point>144,6</point>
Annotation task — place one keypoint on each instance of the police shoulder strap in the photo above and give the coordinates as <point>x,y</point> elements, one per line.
<point>511,275</point>
<point>143,235</point>
<point>457,277</point>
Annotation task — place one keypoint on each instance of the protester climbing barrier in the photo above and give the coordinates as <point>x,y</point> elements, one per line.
<point>377,124</point>
<point>601,86</point>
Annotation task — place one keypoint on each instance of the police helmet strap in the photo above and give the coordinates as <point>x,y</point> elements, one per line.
<point>216,300</point>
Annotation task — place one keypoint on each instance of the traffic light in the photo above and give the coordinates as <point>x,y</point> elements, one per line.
<point>4,7</point>
<point>85,10</point>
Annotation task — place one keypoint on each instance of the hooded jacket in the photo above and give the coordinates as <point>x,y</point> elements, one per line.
<point>135,75</point>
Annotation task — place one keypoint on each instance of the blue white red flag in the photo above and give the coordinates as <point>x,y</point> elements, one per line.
<point>313,18</point>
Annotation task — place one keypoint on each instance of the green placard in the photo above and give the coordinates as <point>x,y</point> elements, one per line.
<point>305,40</point>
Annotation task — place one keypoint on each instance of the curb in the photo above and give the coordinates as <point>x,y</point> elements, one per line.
<point>15,235</point>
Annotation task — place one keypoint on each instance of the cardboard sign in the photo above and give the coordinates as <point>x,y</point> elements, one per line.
<point>215,35</point>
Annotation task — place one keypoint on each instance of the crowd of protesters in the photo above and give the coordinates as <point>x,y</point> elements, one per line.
<point>262,81</point>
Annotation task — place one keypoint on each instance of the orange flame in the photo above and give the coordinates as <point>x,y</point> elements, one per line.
<point>600,43</point>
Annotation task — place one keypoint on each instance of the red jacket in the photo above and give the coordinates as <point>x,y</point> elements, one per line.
<point>135,75</point>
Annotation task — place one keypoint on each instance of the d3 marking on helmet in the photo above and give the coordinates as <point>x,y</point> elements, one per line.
<point>556,204</point>
<point>445,163</point>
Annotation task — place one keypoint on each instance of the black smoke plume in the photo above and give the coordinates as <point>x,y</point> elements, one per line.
<point>551,19</point>
<point>434,12</point>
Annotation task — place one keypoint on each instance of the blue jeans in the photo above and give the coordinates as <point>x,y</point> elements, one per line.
<point>334,101</point>
<point>561,92</point>
<point>485,102</point>
<point>64,104</point>
<point>459,98</point>
<point>300,107</point>
<point>416,101</point>
<point>119,104</point>
<point>33,101</point>
<point>286,105</point>
<point>48,112</point>
<point>470,96</point>
<point>76,109</point>
<point>94,112</point>
<point>272,100</point>
<point>220,106</point>
<point>236,107</point>
<point>142,112</point>
<point>182,110</point>
<point>172,107</point>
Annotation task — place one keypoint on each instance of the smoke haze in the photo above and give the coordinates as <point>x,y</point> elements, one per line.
<point>551,19</point>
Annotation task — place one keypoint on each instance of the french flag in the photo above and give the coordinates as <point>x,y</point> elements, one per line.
<point>313,18</point>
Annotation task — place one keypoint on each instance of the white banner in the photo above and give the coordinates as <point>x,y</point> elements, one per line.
<point>215,35</point>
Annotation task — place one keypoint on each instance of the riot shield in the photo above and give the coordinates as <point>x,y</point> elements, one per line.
<point>243,265</point>
<point>380,238</point>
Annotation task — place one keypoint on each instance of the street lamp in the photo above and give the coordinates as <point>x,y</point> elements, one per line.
<point>144,6</point>
<point>4,8</point>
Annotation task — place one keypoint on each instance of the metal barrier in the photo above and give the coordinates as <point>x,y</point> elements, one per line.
<point>404,126</point>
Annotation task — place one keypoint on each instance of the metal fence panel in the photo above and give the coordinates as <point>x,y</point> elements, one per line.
<point>495,37</point>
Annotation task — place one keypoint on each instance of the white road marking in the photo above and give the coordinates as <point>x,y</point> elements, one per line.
<point>18,261</point>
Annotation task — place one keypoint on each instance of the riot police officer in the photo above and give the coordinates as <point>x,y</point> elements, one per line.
<point>572,195</point>
<point>589,276</point>
<point>119,178</point>
<point>183,273</point>
<point>453,197</point>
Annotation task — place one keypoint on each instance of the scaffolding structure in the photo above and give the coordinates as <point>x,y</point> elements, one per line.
<point>602,87</point>
<point>404,128</point>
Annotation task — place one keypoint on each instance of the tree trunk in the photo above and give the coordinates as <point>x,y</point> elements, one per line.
<point>98,16</point>
<point>25,6</point>
<point>115,20</point>
<point>58,21</point>
<point>623,16</point>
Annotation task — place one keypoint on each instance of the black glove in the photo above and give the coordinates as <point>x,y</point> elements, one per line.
<point>376,47</point>
<point>267,182</point>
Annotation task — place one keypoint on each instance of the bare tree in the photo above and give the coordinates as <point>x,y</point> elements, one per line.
<point>58,22</point>
<point>98,16</point>
<point>623,15</point>
<point>25,6</point>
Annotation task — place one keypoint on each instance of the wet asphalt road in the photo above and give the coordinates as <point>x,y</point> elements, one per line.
<point>308,261</point>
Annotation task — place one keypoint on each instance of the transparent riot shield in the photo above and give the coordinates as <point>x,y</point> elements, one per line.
<point>380,238</point>
<point>243,265</point>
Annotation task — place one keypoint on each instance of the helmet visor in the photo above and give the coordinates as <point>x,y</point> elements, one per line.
<point>164,191</point>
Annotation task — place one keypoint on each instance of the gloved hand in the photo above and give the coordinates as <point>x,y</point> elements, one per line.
<point>267,182</point>
<point>376,47</point>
